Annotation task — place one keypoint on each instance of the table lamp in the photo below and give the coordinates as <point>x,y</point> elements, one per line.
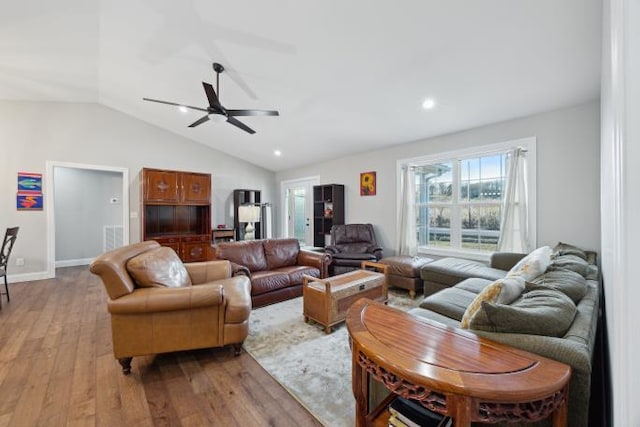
<point>249,214</point>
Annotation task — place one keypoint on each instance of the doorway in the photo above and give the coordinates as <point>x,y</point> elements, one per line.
<point>297,199</point>
<point>89,201</point>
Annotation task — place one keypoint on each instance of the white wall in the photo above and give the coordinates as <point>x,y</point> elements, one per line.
<point>568,171</point>
<point>32,133</point>
<point>621,201</point>
<point>83,208</point>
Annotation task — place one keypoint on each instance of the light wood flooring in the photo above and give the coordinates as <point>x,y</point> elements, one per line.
<point>57,368</point>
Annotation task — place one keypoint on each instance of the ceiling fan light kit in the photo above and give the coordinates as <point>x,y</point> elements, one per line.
<point>216,108</point>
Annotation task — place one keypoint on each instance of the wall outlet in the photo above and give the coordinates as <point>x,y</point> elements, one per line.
<point>19,261</point>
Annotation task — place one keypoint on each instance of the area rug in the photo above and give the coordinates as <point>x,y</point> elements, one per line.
<point>313,366</point>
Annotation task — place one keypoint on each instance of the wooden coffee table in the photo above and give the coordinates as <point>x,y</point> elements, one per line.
<point>326,300</point>
<point>449,371</point>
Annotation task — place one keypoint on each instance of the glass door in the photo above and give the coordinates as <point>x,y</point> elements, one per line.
<point>298,202</point>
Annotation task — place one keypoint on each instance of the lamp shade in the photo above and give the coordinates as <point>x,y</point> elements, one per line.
<point>248,213</point>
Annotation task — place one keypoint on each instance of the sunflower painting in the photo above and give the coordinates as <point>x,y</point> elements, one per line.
<point>368,184</point>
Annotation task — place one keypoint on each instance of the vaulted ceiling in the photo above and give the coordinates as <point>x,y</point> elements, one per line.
<point>347,76</point>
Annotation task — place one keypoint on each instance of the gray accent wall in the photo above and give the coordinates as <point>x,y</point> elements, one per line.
<point>568,174</point>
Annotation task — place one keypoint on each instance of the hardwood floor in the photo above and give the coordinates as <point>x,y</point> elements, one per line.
<point>57,368</point>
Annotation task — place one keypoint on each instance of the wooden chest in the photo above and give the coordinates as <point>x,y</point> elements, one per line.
<point>326,300</point>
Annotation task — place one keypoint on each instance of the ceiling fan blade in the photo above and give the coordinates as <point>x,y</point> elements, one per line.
<point>253,113</point>
<point>173,103</point>
<point>241,125</point>
<point>212,97</point>
<point>200,121</point>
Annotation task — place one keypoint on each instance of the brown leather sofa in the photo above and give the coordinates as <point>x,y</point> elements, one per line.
<point>158,304</point>
<point>275,266</point>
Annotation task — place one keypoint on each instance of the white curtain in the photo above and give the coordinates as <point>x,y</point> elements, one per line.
<point>514,224</point>
<point>407,240</point>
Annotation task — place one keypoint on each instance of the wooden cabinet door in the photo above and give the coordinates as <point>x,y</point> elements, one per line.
<point>161,186</point>
<point>196,188</point>
<point>170,242</point>
<point>194,251</point>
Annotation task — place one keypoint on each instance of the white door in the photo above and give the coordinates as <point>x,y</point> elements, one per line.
<point>298,208</point>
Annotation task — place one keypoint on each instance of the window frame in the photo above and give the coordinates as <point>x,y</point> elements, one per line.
<point>528,144</point>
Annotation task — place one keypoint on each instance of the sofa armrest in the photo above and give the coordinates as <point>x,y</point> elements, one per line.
<point>203,272</point>
<point>320,260</point>
<point>375,250</point>
<point>240,270</point>
<point>331,249</point>
<point>505,260</point>
<point>570,352</point>
<point>156,300</point>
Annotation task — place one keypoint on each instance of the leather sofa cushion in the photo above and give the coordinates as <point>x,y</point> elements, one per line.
<point>248,253</point>
<point>355,248</point>
<point>281,252</point>
<point>353,233</point>
<point>450,302</point>
<point>297,271</point>
<point>266,281</point>
<point>159,267</point>
<point>148,300</point>
<point>405,266</point>
<point>449,271</point>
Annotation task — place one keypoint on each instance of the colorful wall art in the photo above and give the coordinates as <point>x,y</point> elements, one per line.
<point>368,184</point>
<point>29,195</point>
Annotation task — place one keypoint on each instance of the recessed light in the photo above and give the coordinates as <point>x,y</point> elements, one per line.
<point>429,103</point>
<point>183,109</point>
<point>277,153</point>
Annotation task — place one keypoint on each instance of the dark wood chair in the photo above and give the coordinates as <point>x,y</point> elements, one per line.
<point>9,239</point>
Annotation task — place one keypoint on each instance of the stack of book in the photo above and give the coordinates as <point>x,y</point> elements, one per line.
<point>409,413</point>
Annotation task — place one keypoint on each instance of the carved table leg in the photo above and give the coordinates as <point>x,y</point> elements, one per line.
<point>412,294</point>
<point>125,362</point>
<point>360,384</point>
<point>559,418</point>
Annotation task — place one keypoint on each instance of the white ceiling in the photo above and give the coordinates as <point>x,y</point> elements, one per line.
<point>346,75</point>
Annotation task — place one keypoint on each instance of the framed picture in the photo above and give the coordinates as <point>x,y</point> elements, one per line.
<point>29,202</point>
<point>29,183</point>
<point>368,184</point>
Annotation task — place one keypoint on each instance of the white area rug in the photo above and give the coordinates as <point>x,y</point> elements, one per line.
<point>313,366</point>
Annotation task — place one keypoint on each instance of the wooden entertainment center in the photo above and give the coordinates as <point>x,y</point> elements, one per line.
<point>176,211</point>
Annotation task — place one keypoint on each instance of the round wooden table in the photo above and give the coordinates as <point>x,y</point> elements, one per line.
<point>450,371</point>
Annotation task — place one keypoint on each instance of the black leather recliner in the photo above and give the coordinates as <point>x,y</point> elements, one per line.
<point>350,245</point>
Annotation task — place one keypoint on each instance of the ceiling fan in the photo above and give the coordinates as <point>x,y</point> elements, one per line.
<point>215,107</point>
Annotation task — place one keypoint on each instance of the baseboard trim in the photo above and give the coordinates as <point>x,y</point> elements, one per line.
<point>73,262</point>
<point>29,277</point>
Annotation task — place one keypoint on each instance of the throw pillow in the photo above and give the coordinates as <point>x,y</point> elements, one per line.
<point>567,249</point>
<point>158,268</point>
<point>502,291</point>
<point>566,281</point>
<point>533,264</point>
<point>570,262</point>
<point>544,312</point>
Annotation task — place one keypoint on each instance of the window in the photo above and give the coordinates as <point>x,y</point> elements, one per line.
<point>459,195</point>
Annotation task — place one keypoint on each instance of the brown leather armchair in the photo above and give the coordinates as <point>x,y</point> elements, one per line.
<point>158,304</point>
<point>350,245</point>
